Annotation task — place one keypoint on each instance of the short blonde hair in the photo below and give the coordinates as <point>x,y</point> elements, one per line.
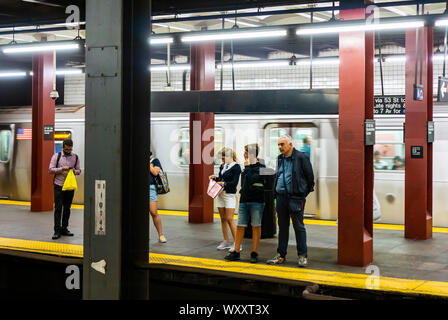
<point>228,152</point>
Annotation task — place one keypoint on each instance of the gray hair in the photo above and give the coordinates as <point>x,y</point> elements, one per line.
<point>287,137</point>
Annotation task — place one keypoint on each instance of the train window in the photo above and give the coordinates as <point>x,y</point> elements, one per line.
<point>184,145</point>
<point>59,137</point>
<point>302,138</point>
<point>5,142</point>
<point>389,150</point>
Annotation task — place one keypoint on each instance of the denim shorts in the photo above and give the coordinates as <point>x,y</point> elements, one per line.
<point>252,211</point>
<point>152,193</point>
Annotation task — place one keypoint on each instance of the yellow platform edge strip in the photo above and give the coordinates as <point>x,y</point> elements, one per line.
<point>377,226</point>
<point>328,278</point>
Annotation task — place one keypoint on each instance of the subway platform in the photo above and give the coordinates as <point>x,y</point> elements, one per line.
<point>400,265</point>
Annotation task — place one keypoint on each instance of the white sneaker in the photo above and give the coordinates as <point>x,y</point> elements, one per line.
<point>233,248</point>
<point>224,245</point>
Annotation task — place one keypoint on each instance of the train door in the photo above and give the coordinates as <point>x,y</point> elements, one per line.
<point>305,139</point>
<point>6,152</point>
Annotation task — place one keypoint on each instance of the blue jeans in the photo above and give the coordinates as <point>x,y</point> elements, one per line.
<point>291,208</point>
<point>252,211</point>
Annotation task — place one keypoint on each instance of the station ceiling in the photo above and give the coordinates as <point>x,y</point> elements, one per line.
<point>48,12</point>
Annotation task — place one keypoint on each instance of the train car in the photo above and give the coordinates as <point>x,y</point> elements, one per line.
<point>170,143</point>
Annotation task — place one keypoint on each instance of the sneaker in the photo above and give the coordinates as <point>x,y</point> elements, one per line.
<point>233,248</point>
<point>66,232</point>
<point>162,239</point>
<point>56,235</point>
<point>253,257</point>
<point>278,259</point>
<point>303,262</point>
<point>232,256</point>
<point>224,245</point>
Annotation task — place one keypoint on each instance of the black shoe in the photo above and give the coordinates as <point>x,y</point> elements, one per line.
<point>253,257</point>
<point>56,235</point>
<point>232,256</point>
<point>67,233</point>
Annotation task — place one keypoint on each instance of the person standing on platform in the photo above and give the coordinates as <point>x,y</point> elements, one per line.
<point>306,149</point>
<point>251,203</point>
<point>293,182</point>
<point>155,167</point>
<point>229,176</point>
<point>60,165</point>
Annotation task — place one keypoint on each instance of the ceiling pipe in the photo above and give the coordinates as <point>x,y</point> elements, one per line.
<point>281,12</point>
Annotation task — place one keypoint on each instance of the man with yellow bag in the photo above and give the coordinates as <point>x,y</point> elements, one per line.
<point>64,165</point>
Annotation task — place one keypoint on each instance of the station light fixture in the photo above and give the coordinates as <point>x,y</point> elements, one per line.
<point>234,35</point>
<point>12,74</point>
<point>63,72</point>
<point>360,27</point>
<point>160,40</point>
<point>40,47</point>
<point>441,23</point>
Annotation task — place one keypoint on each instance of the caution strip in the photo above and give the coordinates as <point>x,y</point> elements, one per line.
<point>327,278</point>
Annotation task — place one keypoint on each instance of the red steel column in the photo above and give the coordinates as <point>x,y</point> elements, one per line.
<point>202,77</point>
<point>418,174</point>
<point>355,208</point>
<point>42,150</point>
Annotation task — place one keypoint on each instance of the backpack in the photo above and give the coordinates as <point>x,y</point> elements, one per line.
<point>162,185</point>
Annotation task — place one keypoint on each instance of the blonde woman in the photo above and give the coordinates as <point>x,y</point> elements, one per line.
<point>229,176</point>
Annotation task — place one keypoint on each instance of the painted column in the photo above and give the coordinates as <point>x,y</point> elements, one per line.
<point>43,112</point>
<point>418,173</point>
<point>202,77</point>
<point>355,208</point>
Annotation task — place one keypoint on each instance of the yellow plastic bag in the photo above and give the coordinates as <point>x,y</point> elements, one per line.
<point>70,182</point>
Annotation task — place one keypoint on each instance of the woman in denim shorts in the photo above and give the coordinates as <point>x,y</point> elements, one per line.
<point>251,203</point>
<point>155,168</point>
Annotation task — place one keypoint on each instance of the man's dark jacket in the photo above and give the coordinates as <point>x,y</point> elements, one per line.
<point>302,174</point>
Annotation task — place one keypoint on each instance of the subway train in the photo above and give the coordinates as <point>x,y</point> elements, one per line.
<point>170,143</point>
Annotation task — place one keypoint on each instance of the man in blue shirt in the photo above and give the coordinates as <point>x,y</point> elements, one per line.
<point>294,181</point>
<point>306,149</point>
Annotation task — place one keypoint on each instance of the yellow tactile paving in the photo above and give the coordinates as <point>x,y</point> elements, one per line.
<point>53,248</point>
<point>329,278</point>
<point>378,226</point>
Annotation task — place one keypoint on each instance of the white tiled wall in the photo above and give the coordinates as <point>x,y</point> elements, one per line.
<point>288,77</point>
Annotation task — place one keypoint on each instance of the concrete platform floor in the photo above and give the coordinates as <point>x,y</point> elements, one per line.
<point>394,255</point>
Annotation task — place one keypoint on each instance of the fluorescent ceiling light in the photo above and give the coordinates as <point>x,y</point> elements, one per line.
<point>360,27</point>
<point>170,27</point>
<point>12,74</point>
<point>441,23</point>
<point>164,67</point>
<point>40,47</point>
<point>395,59</point>
<point>164,40</point>
<point>236,35</point>
<point>60,72</point>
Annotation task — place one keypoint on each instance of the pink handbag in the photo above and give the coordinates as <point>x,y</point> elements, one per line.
<point>214,189</point>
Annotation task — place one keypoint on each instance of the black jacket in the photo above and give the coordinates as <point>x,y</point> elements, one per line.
<point>230,178</point>
<point>302,174</point>
<point>252,184</point>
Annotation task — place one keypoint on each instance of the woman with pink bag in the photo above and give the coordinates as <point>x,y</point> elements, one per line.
<point>229,176</point>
